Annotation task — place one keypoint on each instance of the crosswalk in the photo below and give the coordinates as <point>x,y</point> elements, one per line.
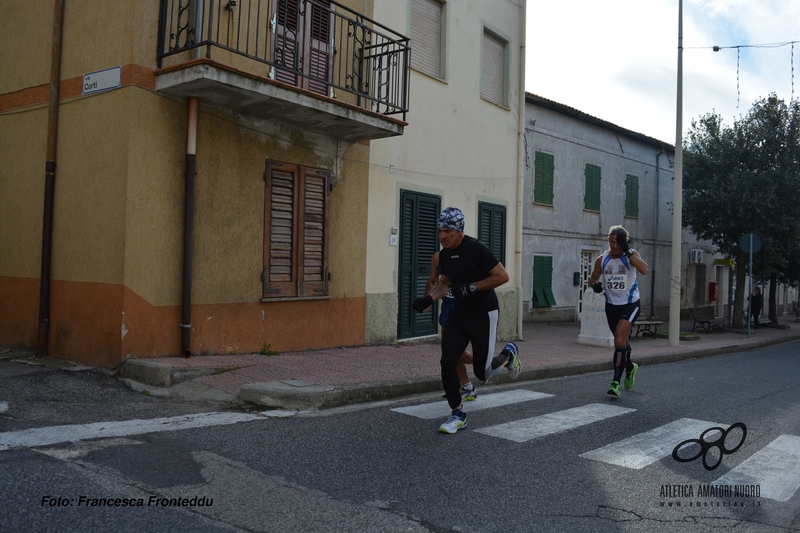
<point>775,468</point>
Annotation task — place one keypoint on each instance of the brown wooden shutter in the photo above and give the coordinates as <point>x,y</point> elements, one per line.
<point>314,241</point>
<point>280,233</point>
<point>319,60</point>
<point>287,40</point>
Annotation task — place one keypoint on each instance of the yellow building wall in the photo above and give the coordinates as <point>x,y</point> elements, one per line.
<point>119,201</point>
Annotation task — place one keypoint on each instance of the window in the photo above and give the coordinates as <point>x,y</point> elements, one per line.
<point>543,167</point>
<point>631,195</point>
<point>295,231</point>
<point>427,37</point>
<point>303,43</point>
<point>492,228</point>
<point>543,281</point>
<point>591,197</point>
<point>493,68</point>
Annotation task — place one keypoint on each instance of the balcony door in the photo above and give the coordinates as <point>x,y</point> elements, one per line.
<point>303,43</point>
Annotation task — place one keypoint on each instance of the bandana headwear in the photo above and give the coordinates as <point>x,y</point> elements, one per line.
<point>451,218</point>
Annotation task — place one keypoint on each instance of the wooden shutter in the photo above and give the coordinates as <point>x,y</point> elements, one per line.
<point>631,195</point>
<point>543,281</point>
<point>493,69</point>
<point>544,168</point>
<point>426,37</point>
<point>492,228</point>
<point>280,230</point>
<point>592,191</point>
<point>319,49</point>
<point>287,39</point>
<point>314,242</point>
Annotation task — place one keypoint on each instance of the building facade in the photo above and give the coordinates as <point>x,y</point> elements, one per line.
<point>584,175</point>
<point>206,177</point>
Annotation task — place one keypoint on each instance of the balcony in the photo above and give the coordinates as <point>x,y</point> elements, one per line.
<point>313,64</point>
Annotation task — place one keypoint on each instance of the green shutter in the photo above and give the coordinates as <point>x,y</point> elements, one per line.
<point>544,167</point>
<point>492,228</point>
<point>592,191</point>
<point>631,195</point>
<point>543,281</point>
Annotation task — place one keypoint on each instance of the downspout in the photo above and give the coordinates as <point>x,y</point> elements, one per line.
<point>188,209</point>
<point>50,182</point>
<point>655,242</point>
<point>520,168</point>
<point>188,229</point>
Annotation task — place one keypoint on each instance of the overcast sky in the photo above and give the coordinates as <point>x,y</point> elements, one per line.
<point>617,59</point>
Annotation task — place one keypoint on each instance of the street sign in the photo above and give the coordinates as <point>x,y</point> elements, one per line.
<point>102,80</point>
<point>750,240</point>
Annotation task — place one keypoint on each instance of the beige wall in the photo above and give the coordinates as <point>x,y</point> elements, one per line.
<point>457,145</point>
<point>119,203</point>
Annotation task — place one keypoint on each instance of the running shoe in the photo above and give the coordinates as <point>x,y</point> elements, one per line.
<point>613,390</point>
<point>629,376</point>
<point>457,420</point>
<point>468,393</point>
<point>513,365</point>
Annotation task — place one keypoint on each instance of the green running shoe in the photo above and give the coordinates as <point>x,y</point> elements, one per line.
<point>457,421</point>
<point>629,376</point>
<point>468,393</point>
<point>613,390</point>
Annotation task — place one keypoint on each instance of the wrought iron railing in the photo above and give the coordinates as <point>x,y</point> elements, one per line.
<point>318,45</point>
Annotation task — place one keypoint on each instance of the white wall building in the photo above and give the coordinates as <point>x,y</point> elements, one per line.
<point>461,148</point>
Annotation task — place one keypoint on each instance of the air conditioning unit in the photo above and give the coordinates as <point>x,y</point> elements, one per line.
<point>695,256</point>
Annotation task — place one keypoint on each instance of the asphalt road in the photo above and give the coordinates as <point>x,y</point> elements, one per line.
<point>557,455</point>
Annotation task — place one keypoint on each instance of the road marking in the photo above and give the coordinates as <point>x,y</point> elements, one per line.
<point>3,407</point>
<point>776,468</point>
<point>30,438</point>
<point>539,426</point>
<point>440,409</point>
<point>646,448</point>
<point>82,449</point>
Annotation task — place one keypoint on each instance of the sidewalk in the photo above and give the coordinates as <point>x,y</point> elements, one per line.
<point>319,379</point>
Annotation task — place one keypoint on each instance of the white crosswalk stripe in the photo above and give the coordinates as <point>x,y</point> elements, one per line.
<point>646,448</point>
<point>539,426</point>
<point>440,409</point>
<point>776,468</point>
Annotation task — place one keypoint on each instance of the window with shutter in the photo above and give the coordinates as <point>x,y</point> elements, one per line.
<point>592,190</point>
<point>295,231</point>
<point>631,195</point>
<point>493,68</point>
<point>303,43</point>
<point>492,228</point>
<point>427,18</point>
<point>543,281</point>
<point>544,167</point>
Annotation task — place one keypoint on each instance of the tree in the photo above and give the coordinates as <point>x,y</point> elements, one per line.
<point>746,179</point>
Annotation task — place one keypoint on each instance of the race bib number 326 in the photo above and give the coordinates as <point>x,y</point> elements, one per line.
<point>618,283</point>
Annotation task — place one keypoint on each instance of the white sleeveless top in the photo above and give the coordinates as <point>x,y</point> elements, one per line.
<point>619,280</point>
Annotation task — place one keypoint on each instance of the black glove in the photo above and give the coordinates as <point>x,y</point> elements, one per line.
<point>624,245</point>
<point>597,287</point>
<point>462,290</point>
<point>422,303</point>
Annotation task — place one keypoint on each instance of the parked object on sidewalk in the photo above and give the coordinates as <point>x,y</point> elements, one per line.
<point>704,318</point>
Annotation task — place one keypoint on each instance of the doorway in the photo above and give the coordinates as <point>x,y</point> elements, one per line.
<point>419,240</point>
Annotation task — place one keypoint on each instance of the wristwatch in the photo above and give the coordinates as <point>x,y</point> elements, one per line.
<point>472,288</point>
<point>630,252</point>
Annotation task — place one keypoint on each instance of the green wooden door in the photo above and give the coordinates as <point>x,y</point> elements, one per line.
<point>419,240</point>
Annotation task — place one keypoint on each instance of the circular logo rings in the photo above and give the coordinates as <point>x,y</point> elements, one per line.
<point>706,446</point>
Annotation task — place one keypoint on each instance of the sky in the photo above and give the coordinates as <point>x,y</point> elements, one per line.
<point>617,60</point>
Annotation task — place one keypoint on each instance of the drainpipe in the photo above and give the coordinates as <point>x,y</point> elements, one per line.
<point>520,167</point>
<point>50,182</point>
<point>655,243</point>
<point>188,229</point>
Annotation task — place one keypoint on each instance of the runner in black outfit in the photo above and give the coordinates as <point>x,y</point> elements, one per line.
<point>472,273</point>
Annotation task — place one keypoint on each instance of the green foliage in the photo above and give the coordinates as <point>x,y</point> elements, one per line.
<point>266,350</point>
<point>746,179</point>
